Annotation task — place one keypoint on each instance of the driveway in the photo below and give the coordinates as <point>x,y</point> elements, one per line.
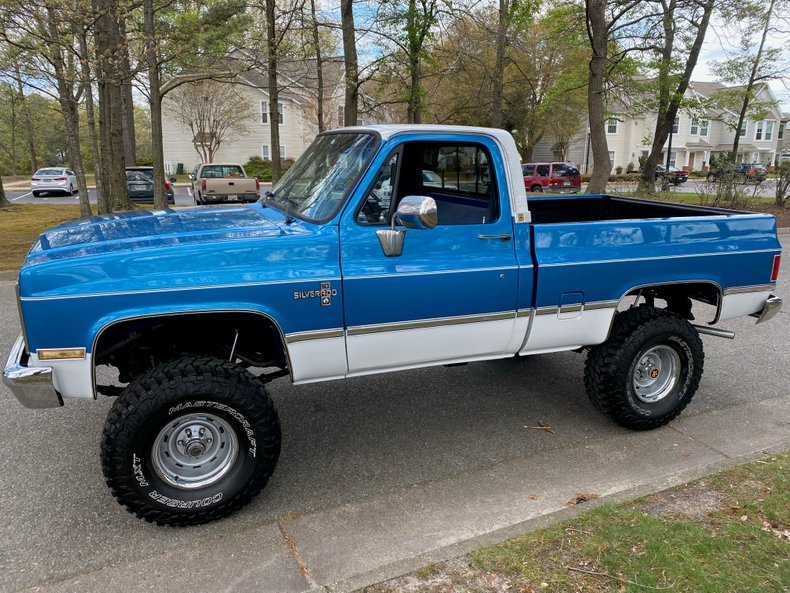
<point>378,475</point>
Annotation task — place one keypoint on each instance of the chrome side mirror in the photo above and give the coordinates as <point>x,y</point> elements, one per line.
<point>414,212</point>
<point>417,212</point>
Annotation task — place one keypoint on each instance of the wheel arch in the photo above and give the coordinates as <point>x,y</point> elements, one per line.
<point>128,321</point>
<point>706,290</point>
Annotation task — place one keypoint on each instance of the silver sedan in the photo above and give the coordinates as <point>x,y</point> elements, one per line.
<point>53,179</point>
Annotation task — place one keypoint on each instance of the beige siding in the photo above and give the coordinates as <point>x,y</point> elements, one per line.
<point>296,133</point>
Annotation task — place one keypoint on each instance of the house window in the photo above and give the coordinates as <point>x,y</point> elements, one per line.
<point>780,134</point>
<point>742,131</point>
<point>611,125</point>
<point>611,158</point>
<point>703,127</point>
<point>265,112</point>
<point>758,135</point>
<point>672,158</point>
<point>676,124</point>
<point>266,156</point>
<point>694,130</point>
<point>769,130</point>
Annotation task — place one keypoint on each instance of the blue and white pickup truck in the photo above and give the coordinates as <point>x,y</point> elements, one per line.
<point>383,248</point>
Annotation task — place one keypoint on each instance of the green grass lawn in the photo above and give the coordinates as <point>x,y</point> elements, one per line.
<point>20,225</point>
<point>729,533</point>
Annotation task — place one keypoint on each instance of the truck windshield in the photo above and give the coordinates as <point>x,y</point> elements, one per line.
<point>316,185</point>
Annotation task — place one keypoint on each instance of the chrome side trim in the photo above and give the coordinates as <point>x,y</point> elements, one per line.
<point>600,305</point>
<point>179,289</point>
<point>632,259</point>
<point>551,310</point>
<point>524,312</point>
<point>359,330</point>
<point>32,386</point>
<point>437,272</point>
<point>322,334</point>
<point>176,313</point>
<point>746,289</point>
<point>574,308</point>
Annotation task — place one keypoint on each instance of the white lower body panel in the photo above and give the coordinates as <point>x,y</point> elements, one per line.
<point>550,333</point>
<point>71,378</point>
<point>740,304</point>
<point>443,344</point>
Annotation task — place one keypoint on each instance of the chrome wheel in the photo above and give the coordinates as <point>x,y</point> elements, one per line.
<point>194,451</point>
<point>656,373</point>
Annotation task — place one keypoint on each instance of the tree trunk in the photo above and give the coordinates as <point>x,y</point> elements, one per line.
<point>69,109</point>
<point>597,32</point>
<point>670,99</point>
<point>3,200</point>
<point>319,67</point>
<point>498,79</point>
<point>414,114</point>
<point>274,94</point>
<point>31,146</point>
<point>155,102</point>
<point>90,116</point>
<point>750,84</point>
<point>350,111</point>
<point>110,115</point>
<point>12,148</point>
<point>127,102</point>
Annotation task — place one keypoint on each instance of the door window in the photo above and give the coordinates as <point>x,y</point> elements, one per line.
<point>542,170</point>
<point>375,209</point>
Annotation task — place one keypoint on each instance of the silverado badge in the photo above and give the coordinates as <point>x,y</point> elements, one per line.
<point>325,293</point>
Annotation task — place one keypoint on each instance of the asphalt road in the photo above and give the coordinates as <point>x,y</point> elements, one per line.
<point>377,475</point>
<point>23,196</point>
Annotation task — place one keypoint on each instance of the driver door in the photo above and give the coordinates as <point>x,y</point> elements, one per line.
<point>451,294</point>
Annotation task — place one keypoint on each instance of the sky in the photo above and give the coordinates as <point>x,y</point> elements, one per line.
<point>717,44</point>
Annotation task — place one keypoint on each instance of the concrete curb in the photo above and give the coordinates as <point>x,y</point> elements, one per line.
<point>442,554</point>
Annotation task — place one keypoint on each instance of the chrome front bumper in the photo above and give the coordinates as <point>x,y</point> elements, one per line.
<point>773,304</point>
<point>32,386</point>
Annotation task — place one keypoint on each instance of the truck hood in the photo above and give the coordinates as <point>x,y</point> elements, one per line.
<point>146,250</point>
<point>145,228</point>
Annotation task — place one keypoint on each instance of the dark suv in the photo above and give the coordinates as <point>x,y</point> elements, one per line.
<point>748,172</point>
<point>556,177</point>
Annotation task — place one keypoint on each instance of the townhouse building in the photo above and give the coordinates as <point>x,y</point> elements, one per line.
<point>696,136</point>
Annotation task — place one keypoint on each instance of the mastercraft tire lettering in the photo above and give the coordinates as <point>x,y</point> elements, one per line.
<point>190,441</point>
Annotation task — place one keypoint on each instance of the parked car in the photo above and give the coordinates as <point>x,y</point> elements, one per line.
<point>53,179</point>
<point>140,185</point>
<point>223,182</point>
<point>746,172</point>
<point>556,177</point>
<point>674,175</point>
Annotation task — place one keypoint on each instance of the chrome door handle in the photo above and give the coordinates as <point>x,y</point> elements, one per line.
<point>504,237</point>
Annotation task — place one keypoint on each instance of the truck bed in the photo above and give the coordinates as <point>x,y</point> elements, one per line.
<point>587,208</point>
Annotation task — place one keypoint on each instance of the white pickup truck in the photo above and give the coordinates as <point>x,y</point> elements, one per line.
<point>222,182</point>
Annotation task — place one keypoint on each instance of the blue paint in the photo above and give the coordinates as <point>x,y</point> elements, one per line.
<point>87,273</point>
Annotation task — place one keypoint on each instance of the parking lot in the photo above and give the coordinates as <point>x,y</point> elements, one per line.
<point>378,475</point>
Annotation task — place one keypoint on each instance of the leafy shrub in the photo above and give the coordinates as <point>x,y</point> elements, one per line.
<point>618,170</point>
<point>630,168</point>
<point>257,167</point>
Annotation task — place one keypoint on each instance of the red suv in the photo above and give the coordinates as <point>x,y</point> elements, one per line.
<point>556,177</point>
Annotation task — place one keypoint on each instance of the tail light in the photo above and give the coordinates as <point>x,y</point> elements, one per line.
<point>257,184</point>
<point>775,270</point>
<point>36,179</point>
<point>60,179</point>
<point>203,185</point>
<point>167,184</point>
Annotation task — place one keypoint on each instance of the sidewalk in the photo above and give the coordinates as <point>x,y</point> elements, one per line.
<point>348,547</point>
